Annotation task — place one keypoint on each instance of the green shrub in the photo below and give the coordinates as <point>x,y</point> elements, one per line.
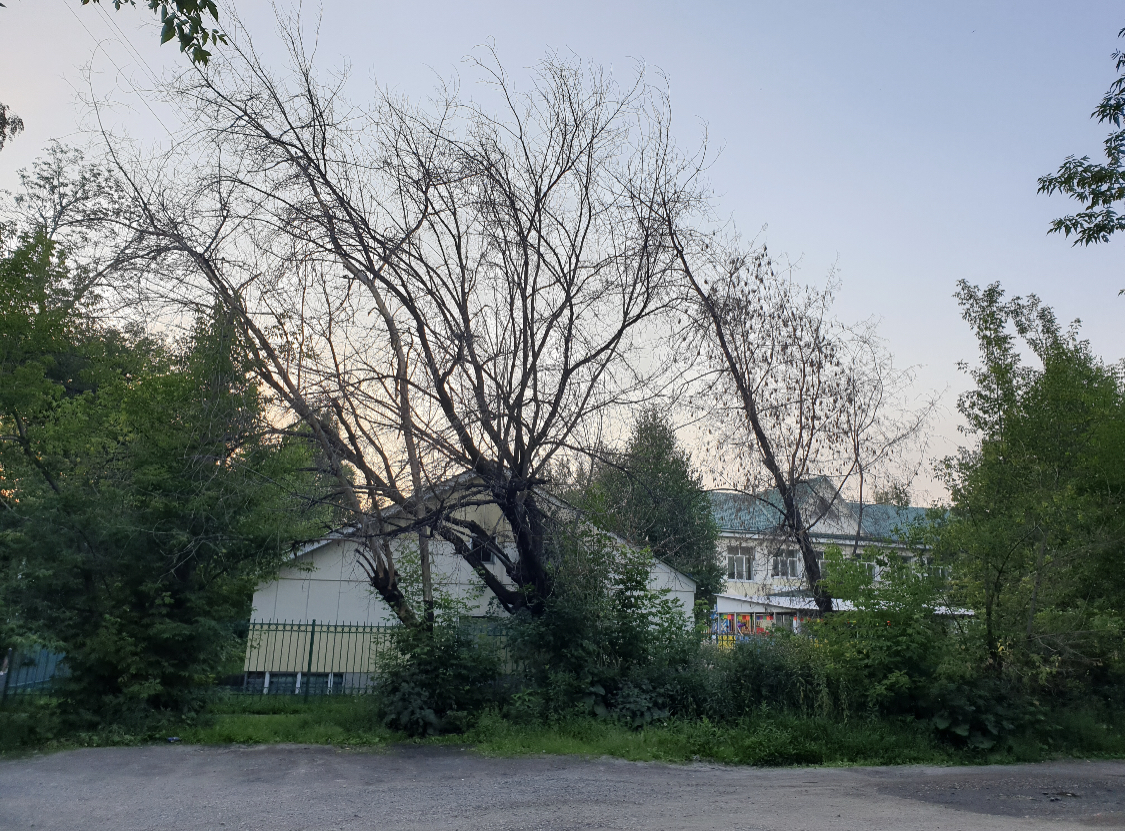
<point>436,681</point>
<point>28,722</point>
<point>784,673</point>
<point>608,644</point>
<point>977,712</point>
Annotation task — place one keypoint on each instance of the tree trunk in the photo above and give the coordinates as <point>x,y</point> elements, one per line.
<point>1040,559</point>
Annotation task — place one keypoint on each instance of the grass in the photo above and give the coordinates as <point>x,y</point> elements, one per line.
<point>767,739</point>
<point>345,720</point>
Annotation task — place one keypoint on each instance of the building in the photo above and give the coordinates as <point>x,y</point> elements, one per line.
<point>766,587</point>
<point>319,626</point>
<point>325,582</point>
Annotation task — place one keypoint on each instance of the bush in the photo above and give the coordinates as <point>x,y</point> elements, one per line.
<point>437,681</point>
<point>886,650</point>
<point>28,722</point>
<point>784,673</point>
<point>977,712</point>
<point>608,644</point>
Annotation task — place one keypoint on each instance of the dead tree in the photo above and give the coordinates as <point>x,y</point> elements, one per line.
<point>809,400</point>
<point>449,294</point>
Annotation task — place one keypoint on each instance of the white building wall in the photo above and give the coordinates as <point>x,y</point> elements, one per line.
<point>680,586</point>
<point>327,584</point>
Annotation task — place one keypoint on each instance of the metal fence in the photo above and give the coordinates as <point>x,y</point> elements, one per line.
<point>282,658</point>
<point>28,672</point>
<point>310,658</point>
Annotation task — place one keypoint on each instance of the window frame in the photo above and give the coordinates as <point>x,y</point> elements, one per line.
<point>741,562</point>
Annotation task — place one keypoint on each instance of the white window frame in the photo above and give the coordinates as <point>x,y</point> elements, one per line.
<point>741,562</point>
<point>791,560</point>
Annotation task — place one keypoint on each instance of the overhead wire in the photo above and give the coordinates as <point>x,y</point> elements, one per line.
<point>129,47</point>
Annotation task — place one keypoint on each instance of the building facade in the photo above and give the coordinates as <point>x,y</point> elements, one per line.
<point>766,584</point>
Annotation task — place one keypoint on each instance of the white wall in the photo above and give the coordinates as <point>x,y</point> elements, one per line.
<point>681,586</point>
<point>327,584</point>
<point>335,589</point>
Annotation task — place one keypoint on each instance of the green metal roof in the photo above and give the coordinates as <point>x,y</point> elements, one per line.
<point>761,514</point>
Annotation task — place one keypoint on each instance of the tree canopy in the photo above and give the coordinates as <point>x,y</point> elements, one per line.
<point>10,124</point>
<point>1100,187</point>
<point>184,20</point>
<point>142,495</point>
<point>1037,531</point>
<point>652,496</point>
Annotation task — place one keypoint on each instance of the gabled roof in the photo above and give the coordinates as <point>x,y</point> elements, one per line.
<point>830,516</point>
<point>346,532</point>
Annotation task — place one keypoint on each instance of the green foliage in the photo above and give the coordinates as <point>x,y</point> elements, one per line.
<point>436,680</point>
<point>768,737</point>
<point>184,20</point>
<point>892,653</point>
<point>887,646</point>
<point>10,124</point>
<point>1035,534</point>
<point>781,673</point>
<point>28,723</point>
<point>142,499</point>
<point>1100,187</point>
<point>977,711</point>
<point>333,720</point>
<point>653,497</point>
<point>608,642</point>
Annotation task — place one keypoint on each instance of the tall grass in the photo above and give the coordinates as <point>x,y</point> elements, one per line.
<point>328,720</point>
<point>765,738</point>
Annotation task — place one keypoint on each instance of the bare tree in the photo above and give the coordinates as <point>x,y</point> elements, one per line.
<point>445,297</point>
<point>810,401</point>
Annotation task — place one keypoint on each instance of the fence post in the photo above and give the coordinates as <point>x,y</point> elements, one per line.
<point>5,674</point>
<point>308,670</point>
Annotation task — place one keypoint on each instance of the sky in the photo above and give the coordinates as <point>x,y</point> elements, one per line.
<point>899,143</point>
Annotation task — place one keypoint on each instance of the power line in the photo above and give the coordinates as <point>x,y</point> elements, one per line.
<point>98,44</point>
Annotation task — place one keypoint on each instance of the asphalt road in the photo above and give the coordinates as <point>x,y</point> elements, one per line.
<point>285,788</point>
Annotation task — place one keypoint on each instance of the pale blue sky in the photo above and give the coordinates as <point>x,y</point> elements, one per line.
<point>901,141</point>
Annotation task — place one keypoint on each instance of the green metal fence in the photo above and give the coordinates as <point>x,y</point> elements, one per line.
<point>282,658</point>
<point>310,658</point>
<point>28,672</point>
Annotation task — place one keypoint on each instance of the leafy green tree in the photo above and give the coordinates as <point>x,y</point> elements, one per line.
<point>10,124</point>
<point>1035,534</point>
<point>142,498</point>
<point>608,641</point>
<point>652,496</point>
<point>1100,187</point>
<point>887,645</point>
<point>893,649</point>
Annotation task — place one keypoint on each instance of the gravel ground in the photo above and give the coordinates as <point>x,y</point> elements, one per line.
<point>283,788</point>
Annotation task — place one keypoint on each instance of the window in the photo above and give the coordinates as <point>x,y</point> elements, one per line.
<point>740,562</point>
<point>785,564</point>
<point>321,683</point>
<point>481,549</point>
<point>282,683</point>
